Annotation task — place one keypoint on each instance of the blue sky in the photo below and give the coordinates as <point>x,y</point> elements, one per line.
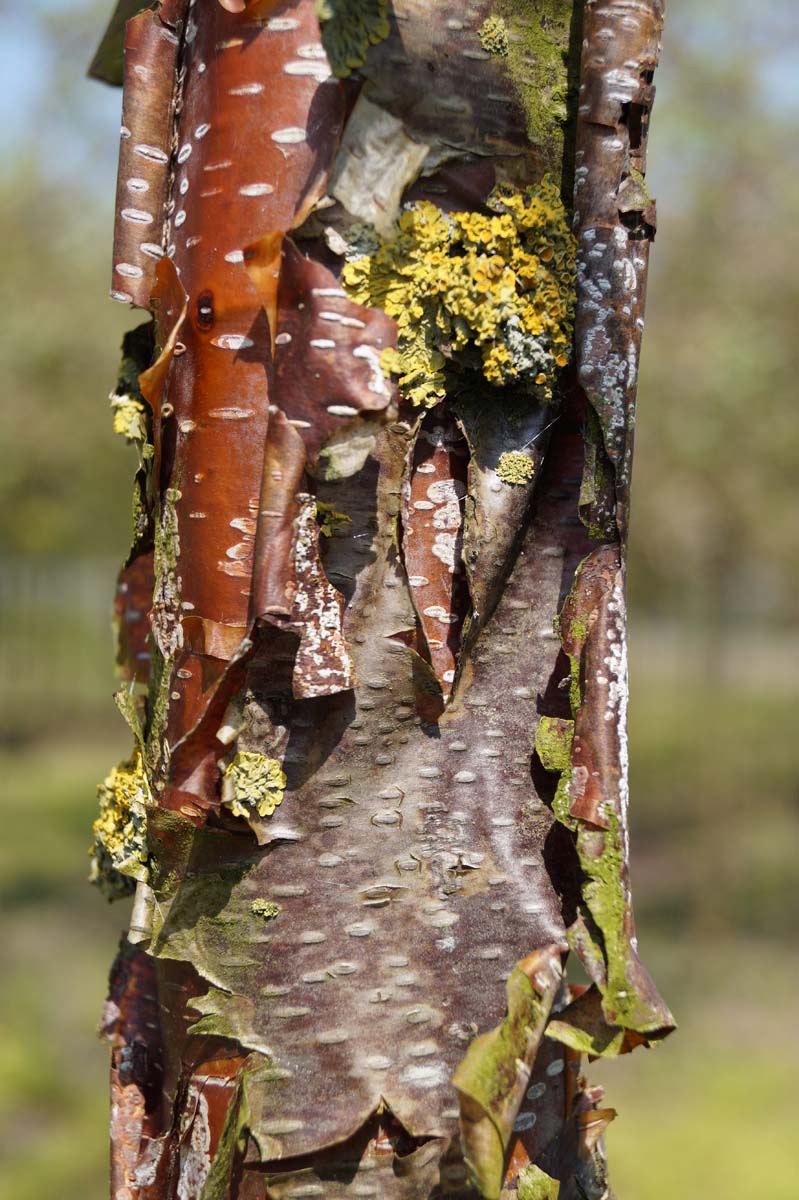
<point>50,112</point>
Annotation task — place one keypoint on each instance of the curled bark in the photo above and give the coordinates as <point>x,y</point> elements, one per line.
<point>386,444</point>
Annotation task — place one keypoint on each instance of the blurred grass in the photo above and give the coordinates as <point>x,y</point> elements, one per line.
<point>714,847</point>
<point>58,938</point>
<point>709,1112</point>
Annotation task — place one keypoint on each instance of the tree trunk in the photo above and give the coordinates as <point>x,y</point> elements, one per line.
<point>372,625</point>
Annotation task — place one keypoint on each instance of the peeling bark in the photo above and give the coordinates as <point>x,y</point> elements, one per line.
<point>372,624</point>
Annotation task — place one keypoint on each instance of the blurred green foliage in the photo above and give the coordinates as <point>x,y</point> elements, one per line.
<point>714,530</point>
<point>712,563</point>
<point>64,487</point>
<point>714,851</point>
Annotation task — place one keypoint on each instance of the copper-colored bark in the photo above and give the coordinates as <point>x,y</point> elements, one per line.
<point>359,989</point>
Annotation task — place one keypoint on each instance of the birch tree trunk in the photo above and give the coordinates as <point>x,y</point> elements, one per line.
<point>372,625</point>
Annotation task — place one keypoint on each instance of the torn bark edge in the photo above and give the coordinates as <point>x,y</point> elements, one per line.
<point>591,801</point>
<point>149,101</point>
<point>492,1076</point>
<point>107,64</point>
<point>614,221</point>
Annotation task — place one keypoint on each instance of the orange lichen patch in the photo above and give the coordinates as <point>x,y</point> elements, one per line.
<point>119,851</point>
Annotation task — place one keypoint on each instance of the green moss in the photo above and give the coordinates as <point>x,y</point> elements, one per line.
<point>538,51</point>
<point>470,291</point>
<point>601,854</point>
<point>253,784</point>
<point>140,510</point>
<point>535,1184</point>
<point>349,28</point>
<point>267,909</point>
<point>553,742</point>
<point>171,838</point>
<point>515,468</point>
<point>493,35</point>
<point>167,541</point>
<point>205,919</point>
<point>598,484</point>
<point>165,621</point>
<point>601,851</point>
<point>128,703</point>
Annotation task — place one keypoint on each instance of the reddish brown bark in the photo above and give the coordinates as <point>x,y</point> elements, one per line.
<point>362,991</point>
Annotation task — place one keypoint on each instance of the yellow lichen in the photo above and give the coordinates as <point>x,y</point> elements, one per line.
<point>471,290</point>
<point>267,909</point>
<point>119,851</point>
<point>494,36</point>
<point>130,417</point>
<point>515,467</point>
<point>253,784</point>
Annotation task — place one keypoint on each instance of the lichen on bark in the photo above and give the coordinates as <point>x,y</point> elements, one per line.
<point>373,811</point>
<point>491,293</point>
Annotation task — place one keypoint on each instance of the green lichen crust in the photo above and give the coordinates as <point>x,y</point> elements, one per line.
<point>493,1075</point>
<point>487,292</point>
<point>590,755</point>
<point>119,854</point>
<point>553,742</point>
<point>349,28</point>
<point>553,745</point>
<point>538,50</point>
<point>267,909</point>
<point>253,784</point>
<point>515,468</point>
<point>535,1184</point>
<point>493,35</point>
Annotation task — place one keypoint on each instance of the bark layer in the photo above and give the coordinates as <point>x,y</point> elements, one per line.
<point>373,617</point>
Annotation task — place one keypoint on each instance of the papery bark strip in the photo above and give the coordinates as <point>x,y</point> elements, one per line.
<point>384,740</point>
